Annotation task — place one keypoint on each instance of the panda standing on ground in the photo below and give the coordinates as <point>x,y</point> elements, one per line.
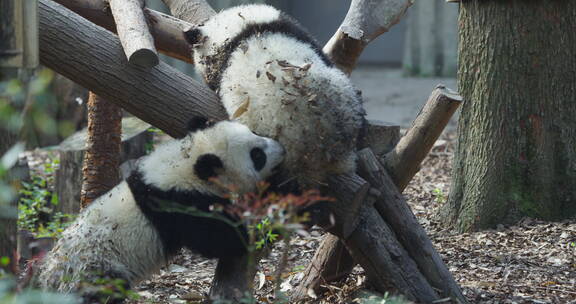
<point>272,76</point>
<point>128,233</point>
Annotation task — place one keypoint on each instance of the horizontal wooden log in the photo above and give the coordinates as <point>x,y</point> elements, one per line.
<point>166,30</point>
<point>404,161</point>
<point>132,29</point>
<point>393,208</point>
<point>93,58</point>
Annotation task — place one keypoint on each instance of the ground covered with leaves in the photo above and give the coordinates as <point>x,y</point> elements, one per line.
<point>532,262</point>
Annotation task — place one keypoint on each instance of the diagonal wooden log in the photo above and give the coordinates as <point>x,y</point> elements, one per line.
<point>56,34</point>
<point>402,164</point>
<point>395,211</point>
<point>364,22</point>
<point>388,265</point>
<point>132,28</point>
<point>94,58</point>
<point>167,30</point>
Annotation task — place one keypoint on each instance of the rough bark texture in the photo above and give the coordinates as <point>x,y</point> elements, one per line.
<point>403,162</point>
<point>516,154</point>
<point>393,208</point>
<point>193,11</point>
<point>7,137</point>
<point>68,178</point>
<point>132,28</point>
<point>93,57</point>
<point>7,221</point>
<point>101,169</point>
<point>388,265</point>
<point>365,20</point>
<point>167,30</point>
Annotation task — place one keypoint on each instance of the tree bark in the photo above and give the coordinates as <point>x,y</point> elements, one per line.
<point>93,57</point>
<point>68,177</point>
<point>402,163</point>
<point>193,11</point>
<point>167,30</point>
<point>101,169</point>
<point>132,28</point>
<point>516,153</point>
<point>364,22</point>
<point>8,136</point>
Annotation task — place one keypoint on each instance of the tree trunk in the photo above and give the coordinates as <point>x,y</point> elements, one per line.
<point>8,136</point>
<point>517,133</point>
<point>101,170</point>
<point>7,221</point>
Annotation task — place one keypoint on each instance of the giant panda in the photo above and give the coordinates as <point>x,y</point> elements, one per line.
<point>272,76</point>
<point>133,230</point>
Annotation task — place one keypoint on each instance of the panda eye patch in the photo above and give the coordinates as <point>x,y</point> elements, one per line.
<point>258,158</point>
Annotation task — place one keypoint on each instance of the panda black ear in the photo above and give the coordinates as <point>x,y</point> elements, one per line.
<point>193,35</point>
<point>207,166</point>
<point>198,123</point>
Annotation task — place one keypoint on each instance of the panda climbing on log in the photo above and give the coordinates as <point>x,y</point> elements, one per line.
<point>272,76</point>
<point>133,230</point>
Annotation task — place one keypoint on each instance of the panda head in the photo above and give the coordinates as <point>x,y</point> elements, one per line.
<point>212,159</point>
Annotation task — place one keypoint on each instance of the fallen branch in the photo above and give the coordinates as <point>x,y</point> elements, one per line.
<point>133,32</point>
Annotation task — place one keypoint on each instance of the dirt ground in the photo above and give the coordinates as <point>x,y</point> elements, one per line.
<point>532,262</point>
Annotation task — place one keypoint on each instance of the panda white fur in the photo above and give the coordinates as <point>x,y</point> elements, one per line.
<point>127,234</point>
<point>271,75</point>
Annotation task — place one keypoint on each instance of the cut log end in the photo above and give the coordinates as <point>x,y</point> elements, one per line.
<point>145,58</point>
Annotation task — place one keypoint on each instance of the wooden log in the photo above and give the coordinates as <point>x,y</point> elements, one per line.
<point>167,30</point>
<point>193,11</point>
<point>379,136</point>
<point>93,57</point>
<point>133,32</point>
<point>350,191</point>
<point>101,164</point>
<point>429,126</point>
<point>387,264</point>
<point>393,208</point>
<point>365,20</point>
<point>68,178</point>
<point>403,162</point>
<point>331,262</point>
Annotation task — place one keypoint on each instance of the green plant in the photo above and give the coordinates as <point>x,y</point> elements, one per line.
<point>264,234</point>
<point>36,206</point>
<point>107,290</point>
<point>439,194</point>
